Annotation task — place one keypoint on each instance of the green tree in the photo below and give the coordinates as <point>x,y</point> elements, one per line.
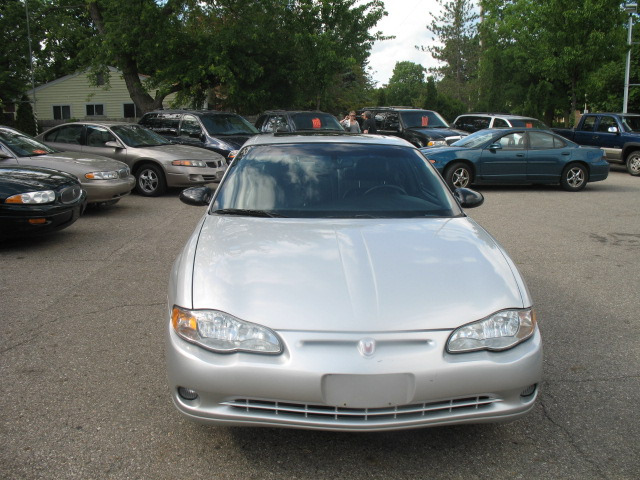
<point>456,48</point>
<point>406,85</point>
<point>555,42</point>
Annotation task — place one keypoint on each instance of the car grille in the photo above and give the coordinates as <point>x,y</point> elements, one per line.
<point>350,415</point>
<point>70,194</point>
<point>211,178</point>
<point>216,164</point>
<point>123,172</point>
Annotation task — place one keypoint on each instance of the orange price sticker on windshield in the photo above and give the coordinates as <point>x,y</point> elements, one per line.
<point>316,123</point>
<point>39,151</point>
<point>425,121</point>
<point>529,125</point>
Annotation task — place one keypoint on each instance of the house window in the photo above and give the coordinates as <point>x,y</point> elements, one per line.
<point>61,112</point>
<point>95,109</point>
<point>130,110</point>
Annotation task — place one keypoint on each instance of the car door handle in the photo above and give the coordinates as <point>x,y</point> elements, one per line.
<point>519,154</point>
<point>566,153</point>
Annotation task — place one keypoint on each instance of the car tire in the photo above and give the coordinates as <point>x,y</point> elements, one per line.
<point>458,175</point>
<point>633,163</point>
<point>150,180</point>
<point>574,177</point>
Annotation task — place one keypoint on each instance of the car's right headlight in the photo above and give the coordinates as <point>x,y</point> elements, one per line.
<point>221,332</point>
<point>32,198</point>
<point>500,331</point>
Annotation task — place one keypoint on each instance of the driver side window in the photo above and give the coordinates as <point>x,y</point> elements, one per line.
<point>513,141</point>
<point>190,127</point>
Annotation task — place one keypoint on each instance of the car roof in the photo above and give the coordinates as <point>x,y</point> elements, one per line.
<point>293,111</point>
<point>505,115</point>
<point>106,123</point>
<point>325,137</point>
<point>193,112</point>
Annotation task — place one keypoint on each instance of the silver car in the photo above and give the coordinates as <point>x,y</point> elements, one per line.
<point>335,283</point>
<point>105,180</point>
<point>154,160</point>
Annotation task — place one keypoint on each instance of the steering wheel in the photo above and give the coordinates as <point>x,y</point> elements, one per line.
<point>392,187</point>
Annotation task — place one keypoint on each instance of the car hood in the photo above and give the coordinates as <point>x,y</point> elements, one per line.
<point>19,180</point>
<point>175,152</point>
<point>434,133</point>
<point>73,162</point>
<point>236,141</point>
<point>352,275</point>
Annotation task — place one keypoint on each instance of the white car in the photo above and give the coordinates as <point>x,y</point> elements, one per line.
<point>335,283</point>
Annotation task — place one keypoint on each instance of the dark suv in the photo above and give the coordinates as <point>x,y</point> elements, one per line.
<point>221,132</point>
<point>297,121</point>
<point>423,128</point>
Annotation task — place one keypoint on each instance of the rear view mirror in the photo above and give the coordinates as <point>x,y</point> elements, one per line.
<point>468,198</point>
<point>196,196</point>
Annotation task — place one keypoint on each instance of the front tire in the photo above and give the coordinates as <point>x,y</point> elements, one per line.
<point>633,163</point>
<point>458,175</point>
<point>574,177</point>
<point>150,180</point>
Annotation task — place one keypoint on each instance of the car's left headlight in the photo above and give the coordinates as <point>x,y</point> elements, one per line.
<point>189,163</point>
<point>32,198</point>
<point>221,332</point>
<point>101,175</point>
<point>500,331</point>
<point>437,143</point>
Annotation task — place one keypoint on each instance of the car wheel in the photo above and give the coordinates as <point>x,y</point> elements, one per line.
<point>150,180</point>
<point>458,175</point>
<point>633,163</point>
<point>574,177</point>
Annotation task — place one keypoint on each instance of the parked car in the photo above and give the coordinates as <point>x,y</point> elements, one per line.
<point>154,160</point>
<point>472,122</point>
<point>618,134</point>
<point>335,283</point>
<point>35,201</point>
<point>221,132</point>
<point>105,180</point>
<point>422,128</point>
<point>297,121</point>
<point>512,156</point>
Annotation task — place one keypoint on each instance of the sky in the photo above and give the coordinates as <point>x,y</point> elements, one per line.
<point>407,20</point>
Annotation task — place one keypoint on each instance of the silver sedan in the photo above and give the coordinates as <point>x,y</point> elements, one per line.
<point>154,160</point>
<point>335,283</point>
<point>105,180</point>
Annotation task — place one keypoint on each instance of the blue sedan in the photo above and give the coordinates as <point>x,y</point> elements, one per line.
<point>518,156</point>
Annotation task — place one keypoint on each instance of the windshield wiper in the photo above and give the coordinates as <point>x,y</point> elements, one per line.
<point>247,213</point>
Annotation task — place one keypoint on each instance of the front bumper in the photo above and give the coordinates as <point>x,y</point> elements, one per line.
<point>106,190</point>
<point>322,382</point>
<point>193,176</point>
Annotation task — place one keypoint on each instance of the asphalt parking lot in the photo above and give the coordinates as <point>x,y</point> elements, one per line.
<point>82,356</point>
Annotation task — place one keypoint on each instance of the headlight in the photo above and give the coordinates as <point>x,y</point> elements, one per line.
<point>189,163</point>
<point>500,331</point>
<point>30,198</point>
<point>221,332</point>
<point>101,175</point>
<point>437,143</point>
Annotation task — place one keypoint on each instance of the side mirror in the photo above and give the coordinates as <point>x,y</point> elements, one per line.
<point>4,156</point>
<point>495,146</point>
<point>468,198</point>
<point>196,196</point>
<point>112,144</point>
<point>612,130</point>
<point>202,138</point>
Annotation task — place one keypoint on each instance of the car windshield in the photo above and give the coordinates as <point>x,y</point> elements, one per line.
<point>330,180</point>
<point>139,136</point>
<point>315,121</point>
<point>221,124</point>
<point>528,123</point>
<point>474,140</point>
<point>22,145</point>
<point>631,123</point>
<point>422,119</point>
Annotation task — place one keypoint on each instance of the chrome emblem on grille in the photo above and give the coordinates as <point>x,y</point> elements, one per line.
<point>367,347</point>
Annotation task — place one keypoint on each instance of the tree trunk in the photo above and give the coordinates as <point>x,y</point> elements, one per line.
<point>129,68</point>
